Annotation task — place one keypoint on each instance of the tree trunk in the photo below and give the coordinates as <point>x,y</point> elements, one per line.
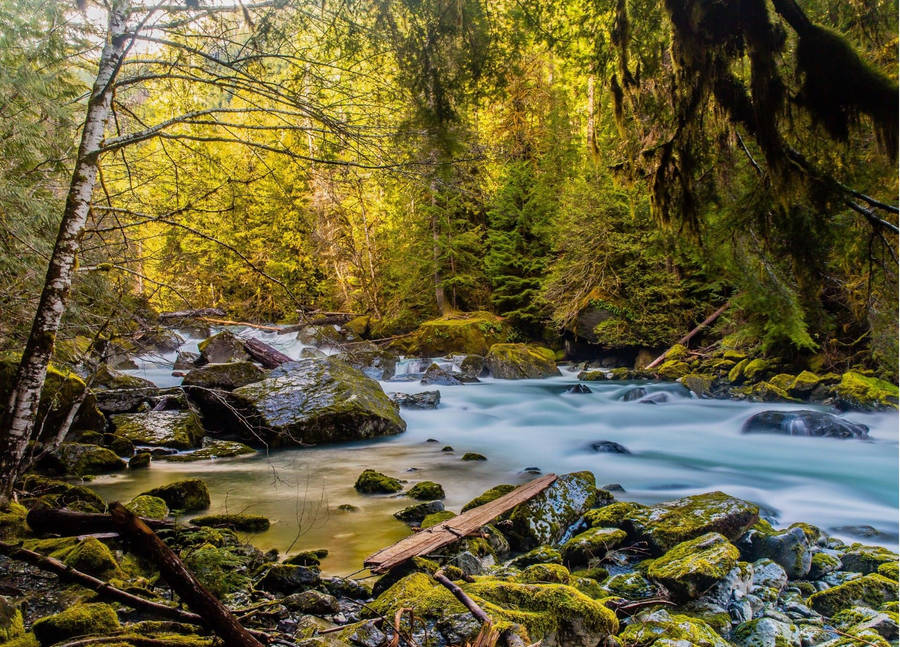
<point>436,252</point>
<point>18,423</point>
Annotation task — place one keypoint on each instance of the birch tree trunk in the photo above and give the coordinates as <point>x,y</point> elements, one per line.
<point>19,419</point>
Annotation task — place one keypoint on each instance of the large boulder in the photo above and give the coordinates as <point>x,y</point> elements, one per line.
<point>471,333</point>
<point>871,591</point>
<point>80,459</point>
<point>545,518</point>
<point>659,629</point>
<point>374,362</point>
<point>521,361</point>
<point>317,401</point>
<point>858,391</point>
<point>434,374</point>
<point>134,399</point>
<point>789,548</point>
<point>222,348</point>
<point>176,429</point>
<point>96,619</point>
<point>423,400</point>
<point>692,567</point>
<point>189,495</point>
<point>804,423</point>
<point>227,376</point>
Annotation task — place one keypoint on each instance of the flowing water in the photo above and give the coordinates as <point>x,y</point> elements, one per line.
<point>679,447</point>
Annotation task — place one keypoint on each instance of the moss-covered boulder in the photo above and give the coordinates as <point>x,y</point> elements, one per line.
<point>40,490</point>
<point>11,622</point>
<point>419,511</point>
<point>289,578</point>
<point>211,450</point>
<point>12,520</point>
<point>105,378</point>
<point>88,555</point>
<point>593,376</point>
<point>435,518</point>
<point>864,392</point>
<point>96,619</point>
<point>631,586</point>
<point>372,482</point>
<point>140,460</point>
<point>673,369</point>
<point>804,384</point>
<point>176,429</point>
<point>308,557</point>
<point>692,567</point>
<point>699,384</point>
<point>188,495</point>
<point>472,366</point>
<point>821,564</point>
<point>545,518</point>
<point>545,574</point>
<point>80,459</point>
<point>426,491</point>
<point>521,361</point>
<point>866,559</point>
<point>222,348</point>
<point>316,401</point>
<point>659,629</point>
<point>473,456</point>
<point>766,632</point>
<point>227,376</point>
<point>871,591</point>
<point>469,333</point>
<point>374,362</point>
<point>555,614</point>
<point>890,570</point>
<point>239,522</point>
<point>149,507</point>
<point>591,544</point>
<point>489,495</point>
<point>359,326</point>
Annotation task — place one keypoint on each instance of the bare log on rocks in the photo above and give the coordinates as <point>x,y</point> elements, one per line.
<point>68,523</point>
<point>711,318</point>
<point>197,313</point>
<point>265,354</point>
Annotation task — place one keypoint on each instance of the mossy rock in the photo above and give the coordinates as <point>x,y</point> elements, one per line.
<point>865,392</point>
<point>119,445</point>
<point>239,522</point>
<point>89,554</point>
<point>12,624</point>
<point>871,591</point>
<point>289,578</point>
<point>678,352</point>
<point>545,518</point>
<point>545,574</point>
<point>426,491</point>
<point>372,482</point>
<point>736,374</point>
<point>804,384</point>
<point>222,570</point>
<point>660,629</point>
<point>539,555</point>
<point>866,559</point>
<point>436,518</point>
<point>176,429</point>
<point>140,461</point>
<point>228,376</point>
<point>767,392</point>
<point>212,449</point>
<point>12,521</point>
<point>822,564</point>
<point>594,376</point>
<point>188,495</point>
<point>308,557</point>
<point>374,362</point>
<point>554,613</point>
<point>314,401</point>
<point>489,495</point>
<point>698,383</point>
<point>222,348</point>
<point>614,515</point>
<point>58,494</point>
<point>692,567</point>
<point>673,369</point>
<point>105,378</point>
<point>782,381</point>
<point>95,619</point>
<point>591,544</point>
<point>756,369</point>
<point>359,326</point>
<point>766,632</point>
<point>521,361</point>
<point>79,459</point>
<point>631,586</point>
<point>149,507</point>
<point>471,333</point>
<point>889,570</point>
<point>473,456</point>
<point>419,511</point>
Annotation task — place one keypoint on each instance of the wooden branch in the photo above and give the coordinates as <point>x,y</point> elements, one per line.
<point>182,581</point>
<point>265,354</point>
<point>711,318</point>
<point>103,589</point>
<point>460,595</point>
<point>197,313</point>
<point>429,540</point>
<point>68,522</point>
<point>229,322</point>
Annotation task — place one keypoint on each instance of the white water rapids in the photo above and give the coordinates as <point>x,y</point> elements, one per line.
<point>680,447</point>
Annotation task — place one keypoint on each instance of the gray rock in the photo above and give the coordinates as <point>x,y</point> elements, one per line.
<point>608,447</point>
<point>368,635</point>
<point>468,563</point>
<point>288,578</point>
<point>423,400</point>
<point>804,423</point>
<point>768,573</point>
<point>313,602</point>
<point>222,348</point>
<point>185,360</point>
<point>375,363</point>
<point>634,393</point>
<point>578,388</point>
<point>176,429</point>
<point>546,518</point>
<point>419,511</point>
<point>788,548</point>
<point>766,632</point>
<point>224,376</point>
<point>436,375</point>
<point>655,398</point>
<point>472,366</point>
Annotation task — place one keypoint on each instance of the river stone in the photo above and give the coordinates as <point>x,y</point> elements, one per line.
<point>789,548</point>
<point>318,401</point>
<point>736,584</point>
<point>149,507</point>
<point>375,363</point>
<point>631,586</point>
<point>79,459</point>
<point>608,447</point>
<point>423,400</point>
<point>545,518</point>
<point>659,629</point>
<point>655,398</point>
<point>289,578</point>
<point>372,482</point>
<point>692,567</point>
<point>189,495</point>
<point>578,389</point>
<point>314,602</point>
<point>434,374</point>
<point>417,512</point>
<point>426,491</point>
<point>176,429</point>
<point>105,378</point>
<point>472,366</point>
<point>591,544</point>
<point>871,591</point>
<point>665,525</point>
<point>227,376</point>
<point>469,333</point>
<point>521,361</point>
<point>633,393</point>
<point>766,632</point>
<point>804,423</point>
<point>222,348</point>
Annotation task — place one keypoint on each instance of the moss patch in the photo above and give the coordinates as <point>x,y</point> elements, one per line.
<point>149,507</point>
<point>866,392</point>
<point>426,491</point>
<point>12,520</point>
<point>871,590</point>
<point>591,544</point>
<point>692,567</point>
<point>372,482</point>
<point>189,495</point>
<point>239,522</point>
<point>489,495</point>
<point>176,429</point>
<point>80,620</point>
<point>521,361</point>
<point>436,518</point>
<point>469,333</point>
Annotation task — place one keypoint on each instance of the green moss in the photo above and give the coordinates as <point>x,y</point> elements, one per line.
<point>539,555</point>
<point>359,326</point>
<point>176,429</point>
<point>89,555</point>
<point>473,456</point>
<point>188,495</point>
<point>593,376</point>
<point>871,590</point>
<point>489,495</point>
<point>78,459</point>
<point>58,494</point>
<point>631,586</point>
<point>372,482</point>
<point>12,520</point>
<point>698,383</point>
<point>767,392</point>
<point>866,392</point>
<point>239,522</point>
<point>211,450</point>
<point>545,573</point>
<point>435,518</point>
<point>765,631</point>
<point>80,620</point>
<point>888,570</point>
<point>804,383</point>
<point>678,352</point>
<point>426,491</point>
<point>673,369</point>
<point>613,515</point>
<point>107,378</point>
<point>12,624</point>
<point>25,640</point>
<point>663,629</point>
<point>755,369</point>
<point>471,333</point>
<point>149,507</point>
<point>218,569</point>
<point>690,568</point>
<point>308,557</point>
<point>866,559</point>
<point>822,564</point>
<point>546,517</point>
<point>521,361</point>
<point>736,374</point>
<point>591,544</point>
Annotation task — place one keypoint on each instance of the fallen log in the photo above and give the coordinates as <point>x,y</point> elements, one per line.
<point>684,340</point>
<point>265,354</point>
<point>229,322</point>
<point>215,615</point>
<point>68,522</point>
<point>196,313</point>
<point>429,540</point>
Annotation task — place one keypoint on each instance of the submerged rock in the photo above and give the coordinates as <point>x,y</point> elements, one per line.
<point>316,401</point>
<point>176,429</point>
<point>426,491</point>
<point>521,361</point>
<point>804,423</point>
<point>633,393</point>
<point>211,450</point>
<point>419,511</point>
<point>608,447</point>
<point>578,388</point>
<point>239,522</point>
<point>424,400</point>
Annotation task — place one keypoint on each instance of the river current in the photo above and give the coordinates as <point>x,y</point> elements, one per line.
<point>679,447</point>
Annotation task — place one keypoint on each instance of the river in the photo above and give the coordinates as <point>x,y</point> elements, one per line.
<point>680,447</point>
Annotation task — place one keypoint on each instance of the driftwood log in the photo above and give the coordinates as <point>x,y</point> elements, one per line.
<point>68,522</point>
<point>197,313</point>
<point>265,354</point>
<point>215,614</point>
<point>684,340</point>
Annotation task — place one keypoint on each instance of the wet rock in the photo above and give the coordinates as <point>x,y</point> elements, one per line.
<point>591,544</point>
<point>545,518</point>
<point>176,429</point>
<point>858,391</point>
<point>373,362</point>
<point>489,495</point>
<point>131,400</point>
<point>188,495</point>
<point>238,522</point>
<point>344,587</point>
<point>608,447</point>
<point>866,559</point>
<point>211,450</point>
<point>78,459</point>
<point>308,557</point>
<point>633,393</point>
<point>473,456</point>
<point>699,384</point>
<point>659,397</point>
<point>472,366</point>
<point>121,446</point>
<point>139,461</point>
<point>766,632</point>
<point>822,564</point>
<point>521,361</point>
<point>631,586</point>
<point>467,563</point>
<point>593,376</point>
<point>149,507</point>
<point>222,348</point>
<point>871,591</point>
<point>288,578</point>
<point>318,401</point>
<point>673,369</point>
<point>659,629</point>
<point>769,574</point>
<point>372,482</point>
<point>424,400</point>
<point>436,375</point>
<point>426,491</point>
<point>788,548</point>
<point>692,567</point>
<point>79,620</point>
<point>857,620</point>
<point>105,378</point>
<point>419,511</point>
<point>227,376</point>
<point>578,388</point>
<point>314,602</point>
<point>185,360</point>
<point>366,634</point>
<point>804,423</point>
<point>736,584</point>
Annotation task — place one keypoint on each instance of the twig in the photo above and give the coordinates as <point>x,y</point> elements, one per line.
<point>460,595</point>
